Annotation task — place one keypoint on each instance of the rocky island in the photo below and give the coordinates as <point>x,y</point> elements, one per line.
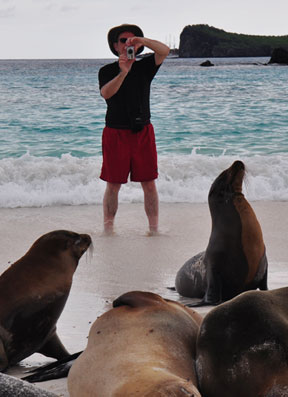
<point>203,41</point>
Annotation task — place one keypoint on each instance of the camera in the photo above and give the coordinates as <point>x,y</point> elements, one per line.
<point>130,52</point>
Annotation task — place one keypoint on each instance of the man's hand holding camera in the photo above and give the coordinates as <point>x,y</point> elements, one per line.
<point>135,42</point>
<point>127,58</point>
<point>125,64</point>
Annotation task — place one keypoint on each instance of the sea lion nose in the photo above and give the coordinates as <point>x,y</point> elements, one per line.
<point>239,165</point>
<point>86,238</point>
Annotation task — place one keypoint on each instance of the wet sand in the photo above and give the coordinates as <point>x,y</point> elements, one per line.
<point>129,260</point>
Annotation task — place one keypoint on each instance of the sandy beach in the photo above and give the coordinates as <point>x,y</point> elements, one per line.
<point>129,260</point>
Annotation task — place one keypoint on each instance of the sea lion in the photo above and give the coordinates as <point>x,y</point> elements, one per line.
<point>33,292</point>
<point>235,259</point>
<point>242,347</point>
<point>13,387</point>
<point>144,346</point>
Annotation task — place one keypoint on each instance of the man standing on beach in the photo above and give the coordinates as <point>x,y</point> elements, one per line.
<point>128,140</point>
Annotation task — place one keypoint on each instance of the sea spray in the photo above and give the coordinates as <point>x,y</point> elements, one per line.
<point>31,181</point>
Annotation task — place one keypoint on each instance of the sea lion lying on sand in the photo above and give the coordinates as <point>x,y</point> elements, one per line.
<point>144,346</point>
<point>242,347</point>
<point>13,387</point>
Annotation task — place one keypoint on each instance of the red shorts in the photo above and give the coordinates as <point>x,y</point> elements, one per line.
<point>126,152</point>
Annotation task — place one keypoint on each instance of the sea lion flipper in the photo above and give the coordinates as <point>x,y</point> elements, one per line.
<point>54,348</point>
<point>196,304</point>
<point>213,294</point>
<point>203,303</point>
<point>56,370</point>
<point>3,357</point>
<point>263,285</point>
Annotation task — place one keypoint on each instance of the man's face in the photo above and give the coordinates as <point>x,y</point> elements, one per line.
<point>121,43</point>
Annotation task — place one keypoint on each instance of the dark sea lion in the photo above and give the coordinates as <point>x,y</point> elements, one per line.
<point>144,346</point>
<point>242,347</point>
<point>13,387</point>
<point>235,259</point>
<point>33,292</point>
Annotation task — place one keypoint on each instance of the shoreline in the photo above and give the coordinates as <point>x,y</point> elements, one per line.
<point>129,260</point>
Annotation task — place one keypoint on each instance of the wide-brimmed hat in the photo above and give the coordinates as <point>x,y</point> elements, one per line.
<point>114,33</point>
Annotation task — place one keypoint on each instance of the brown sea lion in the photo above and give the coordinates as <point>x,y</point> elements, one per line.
<point>33,292</point>
<point>235,259</point>
<point>144,346</point>
<point>242,347</point>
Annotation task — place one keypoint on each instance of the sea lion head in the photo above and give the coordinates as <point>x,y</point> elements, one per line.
<point>228,184</point>
<point>62,243</point>
<point>60,250</point>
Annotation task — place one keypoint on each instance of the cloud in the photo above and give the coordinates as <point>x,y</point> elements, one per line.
<point>46,4</point>
<point>43,1</point>
<point>62,5</point>
<point>52,5</point>
<point>7,12</point>
<point>68,8</point>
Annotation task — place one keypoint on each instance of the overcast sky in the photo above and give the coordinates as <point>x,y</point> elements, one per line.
<point>78,28</point>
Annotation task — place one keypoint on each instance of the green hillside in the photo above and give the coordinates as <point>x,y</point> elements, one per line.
<point>202,41</point>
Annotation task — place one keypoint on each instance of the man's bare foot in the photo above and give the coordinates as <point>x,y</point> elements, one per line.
<point>153,231</point>
<point>109,233</point>
<point>108,229</point>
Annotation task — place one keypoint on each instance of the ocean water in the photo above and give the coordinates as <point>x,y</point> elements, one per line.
<point>52,116</point>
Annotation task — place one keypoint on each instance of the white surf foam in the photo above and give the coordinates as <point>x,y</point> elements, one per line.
<point>31,181</point>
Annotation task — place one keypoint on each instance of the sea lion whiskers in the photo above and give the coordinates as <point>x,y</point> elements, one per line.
<point>89,253</point>
<point>80,245</point>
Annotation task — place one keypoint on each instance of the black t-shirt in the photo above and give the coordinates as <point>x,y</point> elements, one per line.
<point>133,97</point>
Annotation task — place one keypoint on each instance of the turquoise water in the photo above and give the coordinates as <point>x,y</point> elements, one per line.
<point>52,116</point>
<point>239,109</point>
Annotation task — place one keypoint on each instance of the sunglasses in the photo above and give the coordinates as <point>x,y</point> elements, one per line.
<point>123,40</point>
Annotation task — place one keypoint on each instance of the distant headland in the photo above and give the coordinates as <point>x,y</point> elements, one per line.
<point>203,41</point>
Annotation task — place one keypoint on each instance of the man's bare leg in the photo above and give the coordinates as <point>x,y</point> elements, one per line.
<point>151,205</point>
<point>110,206</point>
